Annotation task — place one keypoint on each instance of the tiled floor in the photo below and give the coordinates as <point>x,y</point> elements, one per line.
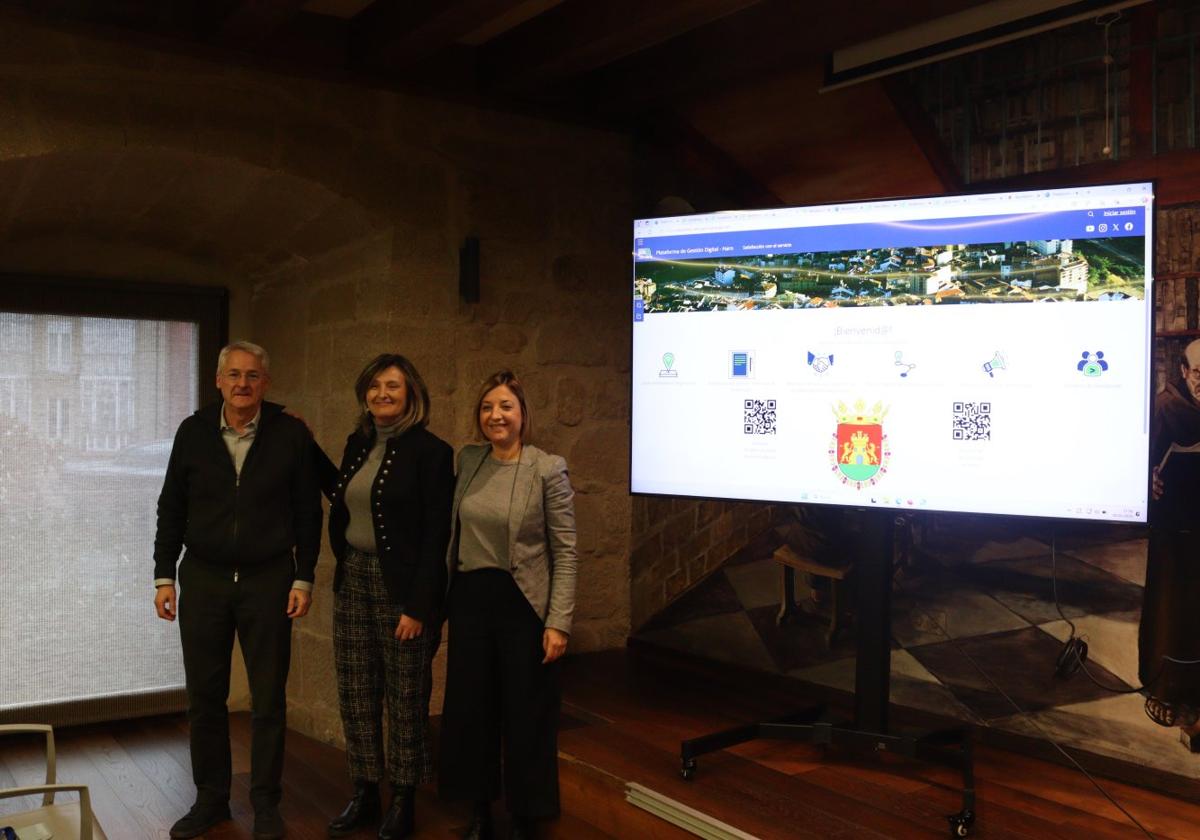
<point>975,634</point>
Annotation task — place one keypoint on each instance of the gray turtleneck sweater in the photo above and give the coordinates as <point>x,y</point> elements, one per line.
<point>360,532</point>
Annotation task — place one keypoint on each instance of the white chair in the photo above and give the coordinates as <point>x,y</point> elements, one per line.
<point>62,821</point>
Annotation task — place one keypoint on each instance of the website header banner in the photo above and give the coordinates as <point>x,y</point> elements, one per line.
<point>1096,223</point>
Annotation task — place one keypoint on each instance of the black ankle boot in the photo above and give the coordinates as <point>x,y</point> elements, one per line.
<point>398,822</point>
<point>200,819</point>
<point>363,809</point>
<point>481,823</point>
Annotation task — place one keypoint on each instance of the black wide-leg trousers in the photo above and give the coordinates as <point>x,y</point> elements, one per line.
<point>373,665</point>
<point>500,699</point>
<point>213,608</point>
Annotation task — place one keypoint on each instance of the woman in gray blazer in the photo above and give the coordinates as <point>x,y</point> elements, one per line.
<point>511,565</point>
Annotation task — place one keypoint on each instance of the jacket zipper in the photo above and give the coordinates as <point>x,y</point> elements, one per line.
<point>237,486</point>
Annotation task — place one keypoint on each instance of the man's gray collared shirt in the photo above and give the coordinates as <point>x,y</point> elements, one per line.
<point>237,443</point>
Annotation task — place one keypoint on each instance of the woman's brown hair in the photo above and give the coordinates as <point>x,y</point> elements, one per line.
<point>416,407</point>
<point>509,380</point>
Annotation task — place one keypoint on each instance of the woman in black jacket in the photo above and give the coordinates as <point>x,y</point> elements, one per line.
<point>388,528</point>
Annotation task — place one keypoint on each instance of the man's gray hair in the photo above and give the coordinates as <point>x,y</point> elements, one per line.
<point>246,347</point>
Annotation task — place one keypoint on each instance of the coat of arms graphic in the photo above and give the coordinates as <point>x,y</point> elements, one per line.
<point>859,451</point>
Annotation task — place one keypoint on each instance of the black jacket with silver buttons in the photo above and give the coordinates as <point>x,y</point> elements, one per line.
<point>410,508</point>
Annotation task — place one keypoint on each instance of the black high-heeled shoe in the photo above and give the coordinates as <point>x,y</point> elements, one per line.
<point>363,809</point>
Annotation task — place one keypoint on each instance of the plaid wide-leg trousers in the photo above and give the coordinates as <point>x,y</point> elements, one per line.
<point>373,665</point>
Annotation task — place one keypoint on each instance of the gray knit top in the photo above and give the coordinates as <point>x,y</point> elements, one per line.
<point>360,531</point>
<point>483,517</point>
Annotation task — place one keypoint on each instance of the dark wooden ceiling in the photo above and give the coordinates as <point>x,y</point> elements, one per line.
<point>726,86</point>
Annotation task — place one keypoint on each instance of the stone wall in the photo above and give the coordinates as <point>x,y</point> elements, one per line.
<point>335,214</point>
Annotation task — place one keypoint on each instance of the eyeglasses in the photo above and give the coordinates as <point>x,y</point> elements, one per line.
<point>250,376</point>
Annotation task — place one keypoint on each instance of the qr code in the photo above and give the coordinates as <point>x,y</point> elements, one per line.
<point>972,421</point>
<point>760,417</point>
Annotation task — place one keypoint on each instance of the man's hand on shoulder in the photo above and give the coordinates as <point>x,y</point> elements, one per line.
<point>164,601</point>
<point>298,603</point>
<point>296,416</point>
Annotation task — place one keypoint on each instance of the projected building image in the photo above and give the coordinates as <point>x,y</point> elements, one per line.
<point>1041,270</point>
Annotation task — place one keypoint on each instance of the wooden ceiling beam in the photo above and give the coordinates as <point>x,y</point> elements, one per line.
<point>765,40</point>
<point>254,21</point>
<point>173,17</point>
<point>395,35</point>
<point>582,35</point>
<point>923,132</point>
<point>699,62</point>
<point>700,159</point>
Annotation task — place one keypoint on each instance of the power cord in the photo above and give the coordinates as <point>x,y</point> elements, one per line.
<point>1073,656</point>
<point>1025,715</point>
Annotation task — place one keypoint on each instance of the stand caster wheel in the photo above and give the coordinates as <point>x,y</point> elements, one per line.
<point>960,823</point>
<point>688,769</point>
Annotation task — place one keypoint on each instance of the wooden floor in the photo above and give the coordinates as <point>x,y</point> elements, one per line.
<point>624,717</point>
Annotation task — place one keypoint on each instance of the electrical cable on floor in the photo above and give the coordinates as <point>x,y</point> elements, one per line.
<point>1028,717</point>
<point>1074,653</point>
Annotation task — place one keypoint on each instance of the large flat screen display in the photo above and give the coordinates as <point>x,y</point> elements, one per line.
<point>978,353</point>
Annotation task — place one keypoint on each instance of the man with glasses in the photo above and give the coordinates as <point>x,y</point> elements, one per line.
<point>241,498</point>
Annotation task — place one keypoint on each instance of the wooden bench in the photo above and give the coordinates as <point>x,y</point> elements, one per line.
<point>790,561</point>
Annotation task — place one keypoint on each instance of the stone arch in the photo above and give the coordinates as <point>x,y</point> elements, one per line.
<point>68,92</point>
<point>160,213</point>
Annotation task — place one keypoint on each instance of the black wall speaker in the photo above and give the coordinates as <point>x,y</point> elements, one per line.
<point>468,270</point>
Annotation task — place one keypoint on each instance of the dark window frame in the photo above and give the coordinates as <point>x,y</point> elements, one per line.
<point>206,306</point>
